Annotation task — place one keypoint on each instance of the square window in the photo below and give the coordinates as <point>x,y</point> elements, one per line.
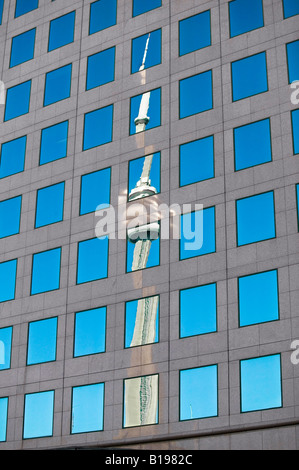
<point>62,31</point>
<point>261,383</point>
<point>144,176</point>
<point>249,76</point>
<point>88,408</point>
<point>49,205</point>
<point>255,219</point>
<point>17,101</point>
<point>147,46</point>
<point>42,337</point>
<point>141,401</point>
<point>145,111</point>
<point>92,260</point>
<point>100,68</point>
<point>297,196</point>
<point>195,32</point>
<point>25,6</point>
<point>3,418</point>
<point>10,216</point>
<point>1,10</point>
<point>258,298</point>
<point>295,130</point>
<point>142,322</point>
<point>5,348</point>
<point>245,16</point>
<point>54,143</point>
<point>198,310</point>
<point>90,332</point>
<point>46,271</point>
<point>252,144</point>
<point>22,48</point>
<point>95,191</point>
<point>8,276</point>
<point>143,247</point>
<point>197,161</point>
<point>58,85</point>
<point>293,61</point>
<point>98,126</point>
<point>12,158</point>
<point>38,414</point>
<point>199,393</point>
<point>198,233</point>
<point>143,6</point>
<point>196,94</point>
<point>102,15</point>
<point>290,8</point>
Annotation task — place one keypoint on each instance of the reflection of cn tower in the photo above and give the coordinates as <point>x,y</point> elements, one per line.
<point>144,389</point>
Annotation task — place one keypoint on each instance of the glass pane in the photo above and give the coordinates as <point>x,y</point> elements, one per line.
<point>142,6</point>
<point>295,130</point>
<point>98,127</point>
<point>197,161</point>
<point>5,348</point>
<point>258,298</point>
<point>297,194</point>
<point>95,190</point>
<point>195,32</point>
<point>252,144</point>
<point>245,15</point>
<point>144,176</point>
<point>261,383</point>
<point>24,6</point>
<point>17,101</point>
<point>88,408</point>
<point>42,337</point>
<point>38,414</point>
<point>46,271</point>
<point>49,205</point>
<point>142,322</point>
<point>8,274</point>
<point>291,8</point>
<point>293,61</point>
<point>196,94</point>
<point>3,418</point>
<point>100,68</point>
<point>255,219</point>
<point>198,310</point>
<point>139,110</point>
<point>1,10</point>
<point>22,48</point>
<point>10,215</point>
<point>92,260</point>
<point>249,76</point>
<point>143,247</point>
<point>58,85</point>
<point>62,31</point>
<point>149,43</point>
<point>102,15</point>
<point>12,159</point>
<point>198,393</point>
<point>141,401</point>
<point>198,233</point>
<point>90,332</point>
<point>54,143</point>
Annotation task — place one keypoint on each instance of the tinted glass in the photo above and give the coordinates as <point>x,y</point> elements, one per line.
<point>196,94</point>
<point>17,101</point>
<point>136,258</point>
<point>195,32</point>
<point>249,76</point>
<point>293,61</point>
<point>1,10</point>
<point>58,85</point>
<point>147,167</point>
<point>54,143</point>
<point>22,48</point>
<point>198,310</point>
<point>24,6</point>
<point>90,332</point>
<point>62,31</point>
<point>92,260</point>
<point>290,8</point>
<point>148,46</point>
<point>8,273</point>
<point>142,322</point>
<point>46,271</point>
<point>87,408</point>
<point>245,15</point>
<point>295,130</point>
<point>297,196</point>
<point>198,235</point>
<point>142,6</point>
<point>252,144</point>
<point>154,110</point>
<point>100,68</point>
<point>10,214</point>
<point>98,127</point>
<point>42,337</point>
<point>3,418</point>
<point>197,161</point>
<point>12,157</point>
<point>95,190</point>
<point>38,414</point>
<point>49,205</point>
<point>141,401</point>
<point>5,348</point>
<point>102,15</point>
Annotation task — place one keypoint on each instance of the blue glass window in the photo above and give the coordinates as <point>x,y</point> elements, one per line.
<point>255,219</point>
<point>5,348</point>
<point>290,8</point>
<point>196,94</point>
<point>198,233</point>
<point>38,414</point>
<point>152,260</point>
<point>195,32</point>
<point>100,68</point>
<point>3,418</point>
<point>12,158</point>
<point>297,195</point>
<point>54,143</point>
<point>198,310</point>
<point>46,271</point>
<point>58,85</point>
<point>17,101</point>
<point>95,190</point>
<point>62,31</point>
<point>1,10</point>
<point>197,161</point>
<point>142,322</point>
<point>153,55</point>
<point>141,401</point>
<point>252,144</point>
<point>90,332</point>
<point>199,393</point>
<point>245,16</point>
<point>142,6</point>
<point>258,298</point>
<point>249,76</point>
<point>135,173</point>
<point>42,336</point>
<point>10,216</point>
<point>102,15</point>
<point>154,110</point>
<point>92,260</point>
<point>295,130</point>
<point>49,205</point>
<point>22,48</point>
<point>88,408</point>
<point>24,6</point>
<point>261,383</point>
<point>98,127</point>
<point>293,61</point>
<point>8,275</point>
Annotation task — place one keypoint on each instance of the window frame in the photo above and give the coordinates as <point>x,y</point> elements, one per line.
<point>87,67</point>
<point>41,139</point>
<point>81,187</point>
<point>141,426</point>
<point>28,338</point>
<point>47,74</point>
<point>160,113</point>
<point>160,52</point>
<point>267,77</point>
<point>59,276</point>
<point>107,27</point>
<point>77,261</point>
<point>6,399</point>
<point>75,331</point>
<point>11,48</point>
<point>129,241</point>
<point>103,409</point>
<point>20,198</point>
<point>58,18</point>
<point>84,149</point>
<point>159,321</point>
<point>7,101</point>
<point>158,152</point>
<point>212,136</point>
<point>205,72</point>
<point>25,149</point>
<point>188,18</point>
<point>248,31</point>
<point>15,260</point>
<point>52,391</point>
<point>36,205</point>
